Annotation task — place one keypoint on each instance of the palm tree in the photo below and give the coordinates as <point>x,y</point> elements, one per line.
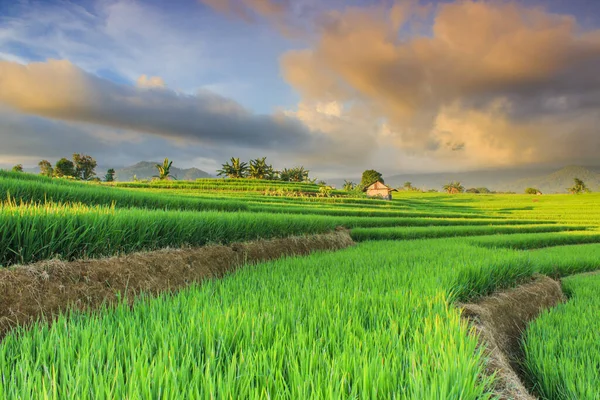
<point>454,187</point>
<point>272,174</point>
<point>259,168</point>
<point>349,185</point>
<point>296,174</point>
<point>164,170</point>
<point>236,169</point>
<point>578,187</point>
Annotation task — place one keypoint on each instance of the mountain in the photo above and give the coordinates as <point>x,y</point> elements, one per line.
<point>494,180</point>
<point>559,181</point>
<point>147,169</point>
<point>546,179</point>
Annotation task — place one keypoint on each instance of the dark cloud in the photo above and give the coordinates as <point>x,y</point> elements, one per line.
<point>58,89</point>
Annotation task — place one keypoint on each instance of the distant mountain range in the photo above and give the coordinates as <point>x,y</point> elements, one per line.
<point>547,180</point>
<point>147,169</point>
<point>559,181</point>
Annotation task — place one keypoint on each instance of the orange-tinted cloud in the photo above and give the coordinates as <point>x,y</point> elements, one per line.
<point>486,87</point>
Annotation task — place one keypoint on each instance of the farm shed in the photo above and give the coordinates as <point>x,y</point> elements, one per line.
<point>379,189</point>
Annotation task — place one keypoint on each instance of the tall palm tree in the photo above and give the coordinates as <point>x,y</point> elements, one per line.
<point>164,170</point>
<point>296,174</point>
<point>259,169</point>
<point>237,169</point>
<point>454,187</point>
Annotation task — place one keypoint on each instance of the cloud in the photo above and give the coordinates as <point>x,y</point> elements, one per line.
<point>145,81</point>
<point>493,84</point>
<point>289,17</point>
<point>126,38</point>
<point>60,90</point>
<point>245,8</point>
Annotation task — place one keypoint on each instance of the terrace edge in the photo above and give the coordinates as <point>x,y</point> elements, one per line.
<point>45,289</point>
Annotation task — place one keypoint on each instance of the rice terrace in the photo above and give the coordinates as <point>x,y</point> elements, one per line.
<point>412,209</point>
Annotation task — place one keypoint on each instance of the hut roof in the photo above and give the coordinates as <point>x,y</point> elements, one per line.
<point>379,185</point>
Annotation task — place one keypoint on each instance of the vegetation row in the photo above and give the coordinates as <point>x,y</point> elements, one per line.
<point>332,325</point>
<point>562,350</point>
<point>408,233</point>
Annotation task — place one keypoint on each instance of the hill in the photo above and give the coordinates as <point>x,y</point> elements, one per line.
<point>147,169</point>
<point>559,181</point>
<point>548,180</point>
<point>492,179</point>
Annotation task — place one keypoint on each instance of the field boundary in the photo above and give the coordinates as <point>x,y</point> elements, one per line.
<point>500,320</point>
<point>47,288</point>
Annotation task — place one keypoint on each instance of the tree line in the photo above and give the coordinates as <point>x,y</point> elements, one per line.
<point>80,167</point>
<point>258,168</point>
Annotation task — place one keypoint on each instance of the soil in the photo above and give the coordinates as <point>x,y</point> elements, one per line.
<point>45,289</point>
<point>501,319</point>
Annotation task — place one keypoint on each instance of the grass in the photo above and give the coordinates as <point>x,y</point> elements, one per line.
<point>28,188</point>
<point>373,321</point>
<point>36,232</point>
<point>528,241</point>
<point>395,233</point>
<point>561,346</point>
<point>330,325</point>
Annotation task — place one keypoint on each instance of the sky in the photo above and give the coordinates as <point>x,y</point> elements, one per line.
<point>400,86</point>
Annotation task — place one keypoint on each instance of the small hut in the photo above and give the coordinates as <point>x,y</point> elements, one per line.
<point>379,189</point>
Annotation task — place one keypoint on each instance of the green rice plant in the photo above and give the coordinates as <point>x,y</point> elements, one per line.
<point>242,185</point>
<point>528,241</point>
<point>37,232</point>
<point>400,233</point>
<point>340,211</point>
<point>372,321</point>
<point>562,351</point>
<point>43,189</point>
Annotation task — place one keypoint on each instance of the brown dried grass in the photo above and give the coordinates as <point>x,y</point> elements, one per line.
<point>501,319</point>
<point>45,289</point>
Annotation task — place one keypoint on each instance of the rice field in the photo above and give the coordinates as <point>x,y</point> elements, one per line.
<point>561,346</point>
<point>377,320</point>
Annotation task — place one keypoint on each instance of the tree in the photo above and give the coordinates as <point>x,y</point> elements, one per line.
<point>110,175</point>
<point>46,168</point>
<point>531,190</point>
<point>349,186</point>
<point>369,177</point>
<point>484,190</point>
<point>272,174</point>
<point>472,190</point>
<point>84,166</point>
<point>18,168</point>
<point>578,187</point>
<point>409,187</point>
<point>259,169</point>
<point>296,174</point>
<point>64,168</point>
<point>164,170</point>
<point>454,187</point>
<point>236,169</point>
